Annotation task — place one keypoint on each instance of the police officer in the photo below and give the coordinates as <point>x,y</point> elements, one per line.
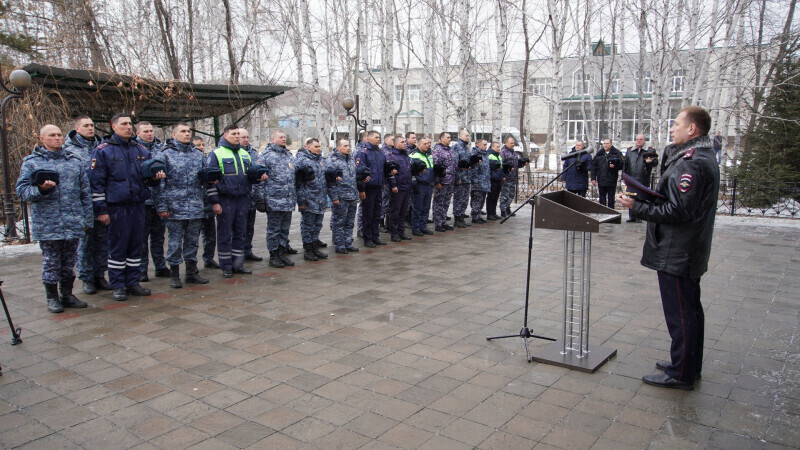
<point>277,197</point>
<point>311,198</point>
<point>118,195</point>
<point>577,175</point>
<point>678,243</point>
<point>230,200</point>
<point>370,192</point>
<point>155,227</point>
<point>208,228</point>
<point>443,193</point>
<point>461,187</point>
<point>399,190</point>
<point>386,148</point>
<point>244,140</point>
<point>511,165</point>
<point>93,246</point>
<point>179,201</point>
<point>340,175</point>
<point>606,165</point>
<point>639,163</point>
<point>480,179</point>
<point>422,188</point>
<point>61,212</point>
<point>497,176</point>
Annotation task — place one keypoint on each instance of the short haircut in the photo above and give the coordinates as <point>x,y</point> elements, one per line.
<point>139,125</point>
<point>230,127</point>
<point>180,124</point>
<point>275,133</point>
<point>197,139</point>
<point>509,137</point>
<point>409,134</point>
<point>607,139</point>
<point>698,116</point>
<point>81,117</point>
<point>339,141</point>
<point>494,142</point>
<point>388,135</point>
<point>424,138</point>
<point>372,133</point>
<point>115,118</point>
<point>310,141</point>
<point>399,136</point>
<point>480,141</point>
<point>582,143</point>
<point>441,135</point>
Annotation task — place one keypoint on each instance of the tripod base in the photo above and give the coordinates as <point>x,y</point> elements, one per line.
<point>525,334</point>
<point>591,361</point>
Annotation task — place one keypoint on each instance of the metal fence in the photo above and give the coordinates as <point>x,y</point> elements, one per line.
<point>736,197</point>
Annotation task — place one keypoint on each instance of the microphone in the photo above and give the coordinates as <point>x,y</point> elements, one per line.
<point>575,154</point>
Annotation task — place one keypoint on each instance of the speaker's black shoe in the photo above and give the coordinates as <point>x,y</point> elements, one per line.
<point>440,229</point>
<point>426,231</point>
<point>396,239</point>
<point>666,381</point>
<point>417,233</point>
<point>53,302</point>
<point>321,244</point>
<point>380,241</point>
<point>664,365</point>
<point>341,251</point>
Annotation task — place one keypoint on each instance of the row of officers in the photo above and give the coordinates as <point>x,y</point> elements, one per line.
<point>97,202</point>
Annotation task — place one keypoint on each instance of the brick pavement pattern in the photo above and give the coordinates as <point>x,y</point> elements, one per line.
<point>376,350</point>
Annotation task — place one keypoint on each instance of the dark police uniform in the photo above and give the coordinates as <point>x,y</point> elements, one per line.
<point>372,157</point>
<point>605,176</point>
<point>119,191</point>
<point>155,226</point>
<point>678,246</point>
<point>637,167</point>
<point>422,192</point>
<point>232,193</point>
<point>577,175</point>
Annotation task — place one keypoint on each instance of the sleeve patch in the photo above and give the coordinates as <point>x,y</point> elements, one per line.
<point>686,182</point>
<point>94,162</point>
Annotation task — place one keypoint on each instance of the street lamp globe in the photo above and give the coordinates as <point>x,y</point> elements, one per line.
<point>348,104</point>
<point>20,79</point>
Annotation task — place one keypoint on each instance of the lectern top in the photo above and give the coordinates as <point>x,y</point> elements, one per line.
<point>563,210</point>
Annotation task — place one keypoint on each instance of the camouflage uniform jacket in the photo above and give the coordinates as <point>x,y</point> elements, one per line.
<point>346,189</point>
<point>462,152</point>
<point>279,190</point>
<point>444,155</point>
<point>181,193</point>
<point>311,194</point>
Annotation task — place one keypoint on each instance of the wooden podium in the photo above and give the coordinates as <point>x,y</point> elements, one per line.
<point>579,218</point>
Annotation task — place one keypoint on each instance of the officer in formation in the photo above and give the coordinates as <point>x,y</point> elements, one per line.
<point>370,192</point>
<point>399,189</point>
<point>639,164</point>
<point>118,196</point>
<point>444,180</point>
<point>510,168</point>
<point>311,196</point>
<point>576,176</point>
<point>340,177</point>
<point>497,177</point>
<point>178,200</point>
<point>155,226</point>
<point>422,186</point>
<point>386,148</point>
<point>93,245</point>
<point>606,165</point>
<point>244,140</point>
<point>480,179</point>
<point>277,197</point>
<point>208,228</point>
<point>56,184</point>
<point>461,187</point>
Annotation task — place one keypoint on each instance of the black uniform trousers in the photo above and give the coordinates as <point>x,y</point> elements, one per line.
<point>494,195</point>
<point>683,312</point>
<point>372,212</point>
<point>398,208</point>
<point>125,243</point>
<point>606,194</point>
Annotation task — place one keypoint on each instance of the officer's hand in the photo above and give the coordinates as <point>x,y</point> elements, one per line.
<point>366,180</point>
<point>163,214</point>
<point>160,175</point>
<point>86,228</point>
<point>423,171</point>
<point>458,182</point>
<point>335,202</point>
<point>513,169</point>
<point>439,187</point>
<point>105,219</point>
<point>393,173</point>
<point>395,190</point>
<point>263,177</point>
<point>625,201</point>
<point>362,195</point>
<point>610,166</point>
<point>594,182</point>
<point>338,179</point>
<point>215,182</point>
<point>301,207</point>
<point>474,186</point>
<point>217,208</point>
<point>504,178</point>
<point>648,160</point>
<point>47,185</point>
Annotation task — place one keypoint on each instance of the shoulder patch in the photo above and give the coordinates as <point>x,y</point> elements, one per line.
<point>685,182</point>
<point>102,145</point>
<point>689,153</point>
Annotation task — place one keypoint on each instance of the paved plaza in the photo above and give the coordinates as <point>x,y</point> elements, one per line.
<point>387,349</point>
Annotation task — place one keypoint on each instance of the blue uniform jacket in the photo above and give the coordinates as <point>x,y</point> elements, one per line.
<point>402,180</point>
<point>311,194</point>
<point>234,165</point>
<point>577,177</point>
<point>479,175</point>
<point>279,190</point>
<point>181,193</point>
<point>426,177</point>
<point>64,211</point>
<point>461,150</point>
<point>154,148</point>
<point>346,189</point>
<point>372,157</point>
<point>496,173</point>
<point>255,186</point>
<point>116,173</point>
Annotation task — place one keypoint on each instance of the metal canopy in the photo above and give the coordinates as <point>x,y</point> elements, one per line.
<point>101,95</point>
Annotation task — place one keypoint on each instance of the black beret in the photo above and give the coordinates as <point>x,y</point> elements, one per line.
<point>474,159</point>
<point>255,172</point>
<point>39,176</point>
<point>389,166</point>
<point>151,167</point>
<point>638,191</point>
<point>209,174</point>
<point>439,170</point>
<point>362,172</point>
<point>463,164</point>
<point>417,166</point>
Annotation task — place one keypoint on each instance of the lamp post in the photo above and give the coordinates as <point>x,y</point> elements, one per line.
<point>20,81</point>
<point>352,108</point>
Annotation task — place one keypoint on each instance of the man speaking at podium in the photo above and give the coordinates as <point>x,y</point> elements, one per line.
<point>678,242</point>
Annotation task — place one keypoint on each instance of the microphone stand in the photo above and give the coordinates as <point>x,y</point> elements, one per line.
<point>525,332</point>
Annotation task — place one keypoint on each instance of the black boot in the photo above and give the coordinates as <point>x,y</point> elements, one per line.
<point>89,287</point>
<point>274,260</point>
<point>67,299</point>
<point>459,222</point>
<point>53,303</point>
<point>120,294</point>
<point>175,277</point>
<point>249,256</point>
<point>317,253</point>
<point>284,259</point>
<point>288,250</point>
<point>320,244</point>
<point>210,264</point>
<point>193,275</point>
<point>102,285</point>
<point>309,255</point>
<point>137,291</point>
<point>382,226</point>
<point>163,273</point>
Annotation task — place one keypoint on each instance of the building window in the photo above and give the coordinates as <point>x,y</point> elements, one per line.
<point>677,80</point>
<point>613,83</point>
<point>412,92</point>
<point>454,91</point>
<point>575,125</point>
<point>542,87</point>
<point>647,82</point>
<point>484,90</point>
<point>580,83</point>
<point>376,121</point>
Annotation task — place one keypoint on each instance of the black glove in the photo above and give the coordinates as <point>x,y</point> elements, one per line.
<point>651,154</point>
<point>304,175</point>
<point>417,166</point>
<point>507,167</point>
<point>474,160</point>
<point>439,170</point>
<point>463,164</point>
<point>39,176</point>
<point>261,206</point>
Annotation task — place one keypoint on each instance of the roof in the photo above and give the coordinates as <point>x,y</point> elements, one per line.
<point>101,95</point>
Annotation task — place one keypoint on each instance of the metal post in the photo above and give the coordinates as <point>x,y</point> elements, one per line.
<point>20,80</point>
<point>733,196</point>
